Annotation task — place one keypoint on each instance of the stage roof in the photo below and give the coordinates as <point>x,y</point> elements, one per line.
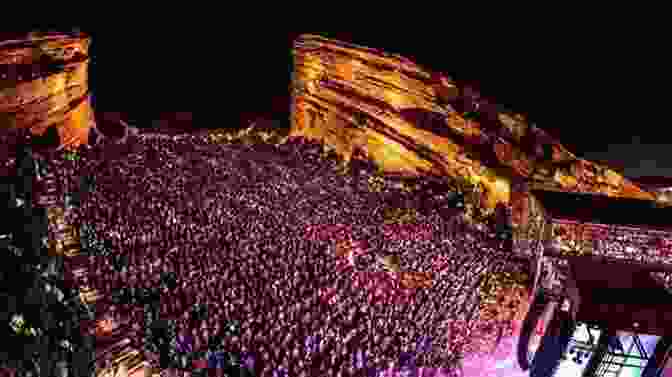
<point>597,208</point>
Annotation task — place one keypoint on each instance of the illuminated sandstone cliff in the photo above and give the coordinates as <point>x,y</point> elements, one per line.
<point>412,121</point>
<point>44,84</point>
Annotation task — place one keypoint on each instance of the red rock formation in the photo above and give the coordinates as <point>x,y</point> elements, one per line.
<point>44,84</point>
<point>413,121</point>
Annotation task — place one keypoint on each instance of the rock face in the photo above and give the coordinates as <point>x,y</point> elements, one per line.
<point>44,85</point>
<point>413,121</point>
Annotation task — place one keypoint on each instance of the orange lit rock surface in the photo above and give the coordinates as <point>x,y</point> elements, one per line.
<point>412,121</point>
<point>44,84</point>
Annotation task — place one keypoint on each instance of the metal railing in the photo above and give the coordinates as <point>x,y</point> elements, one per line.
<point>614,361</point>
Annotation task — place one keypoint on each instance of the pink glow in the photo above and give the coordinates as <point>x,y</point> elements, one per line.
<point>667,370</point>
<point>501,363</point>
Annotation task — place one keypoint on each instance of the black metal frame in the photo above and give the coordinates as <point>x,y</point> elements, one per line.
<point>603,357</point>
<point>602,367</point>
<point>604,370</point>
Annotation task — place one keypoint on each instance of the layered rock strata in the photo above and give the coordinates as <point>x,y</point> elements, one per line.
<point>413,121</point>
<point>44,84</point>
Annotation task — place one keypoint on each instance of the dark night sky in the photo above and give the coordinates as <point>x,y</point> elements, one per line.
<point>594,90</point>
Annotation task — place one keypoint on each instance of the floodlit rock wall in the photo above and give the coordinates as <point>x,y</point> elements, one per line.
<point>44,84</point>
<point>413,121</point>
